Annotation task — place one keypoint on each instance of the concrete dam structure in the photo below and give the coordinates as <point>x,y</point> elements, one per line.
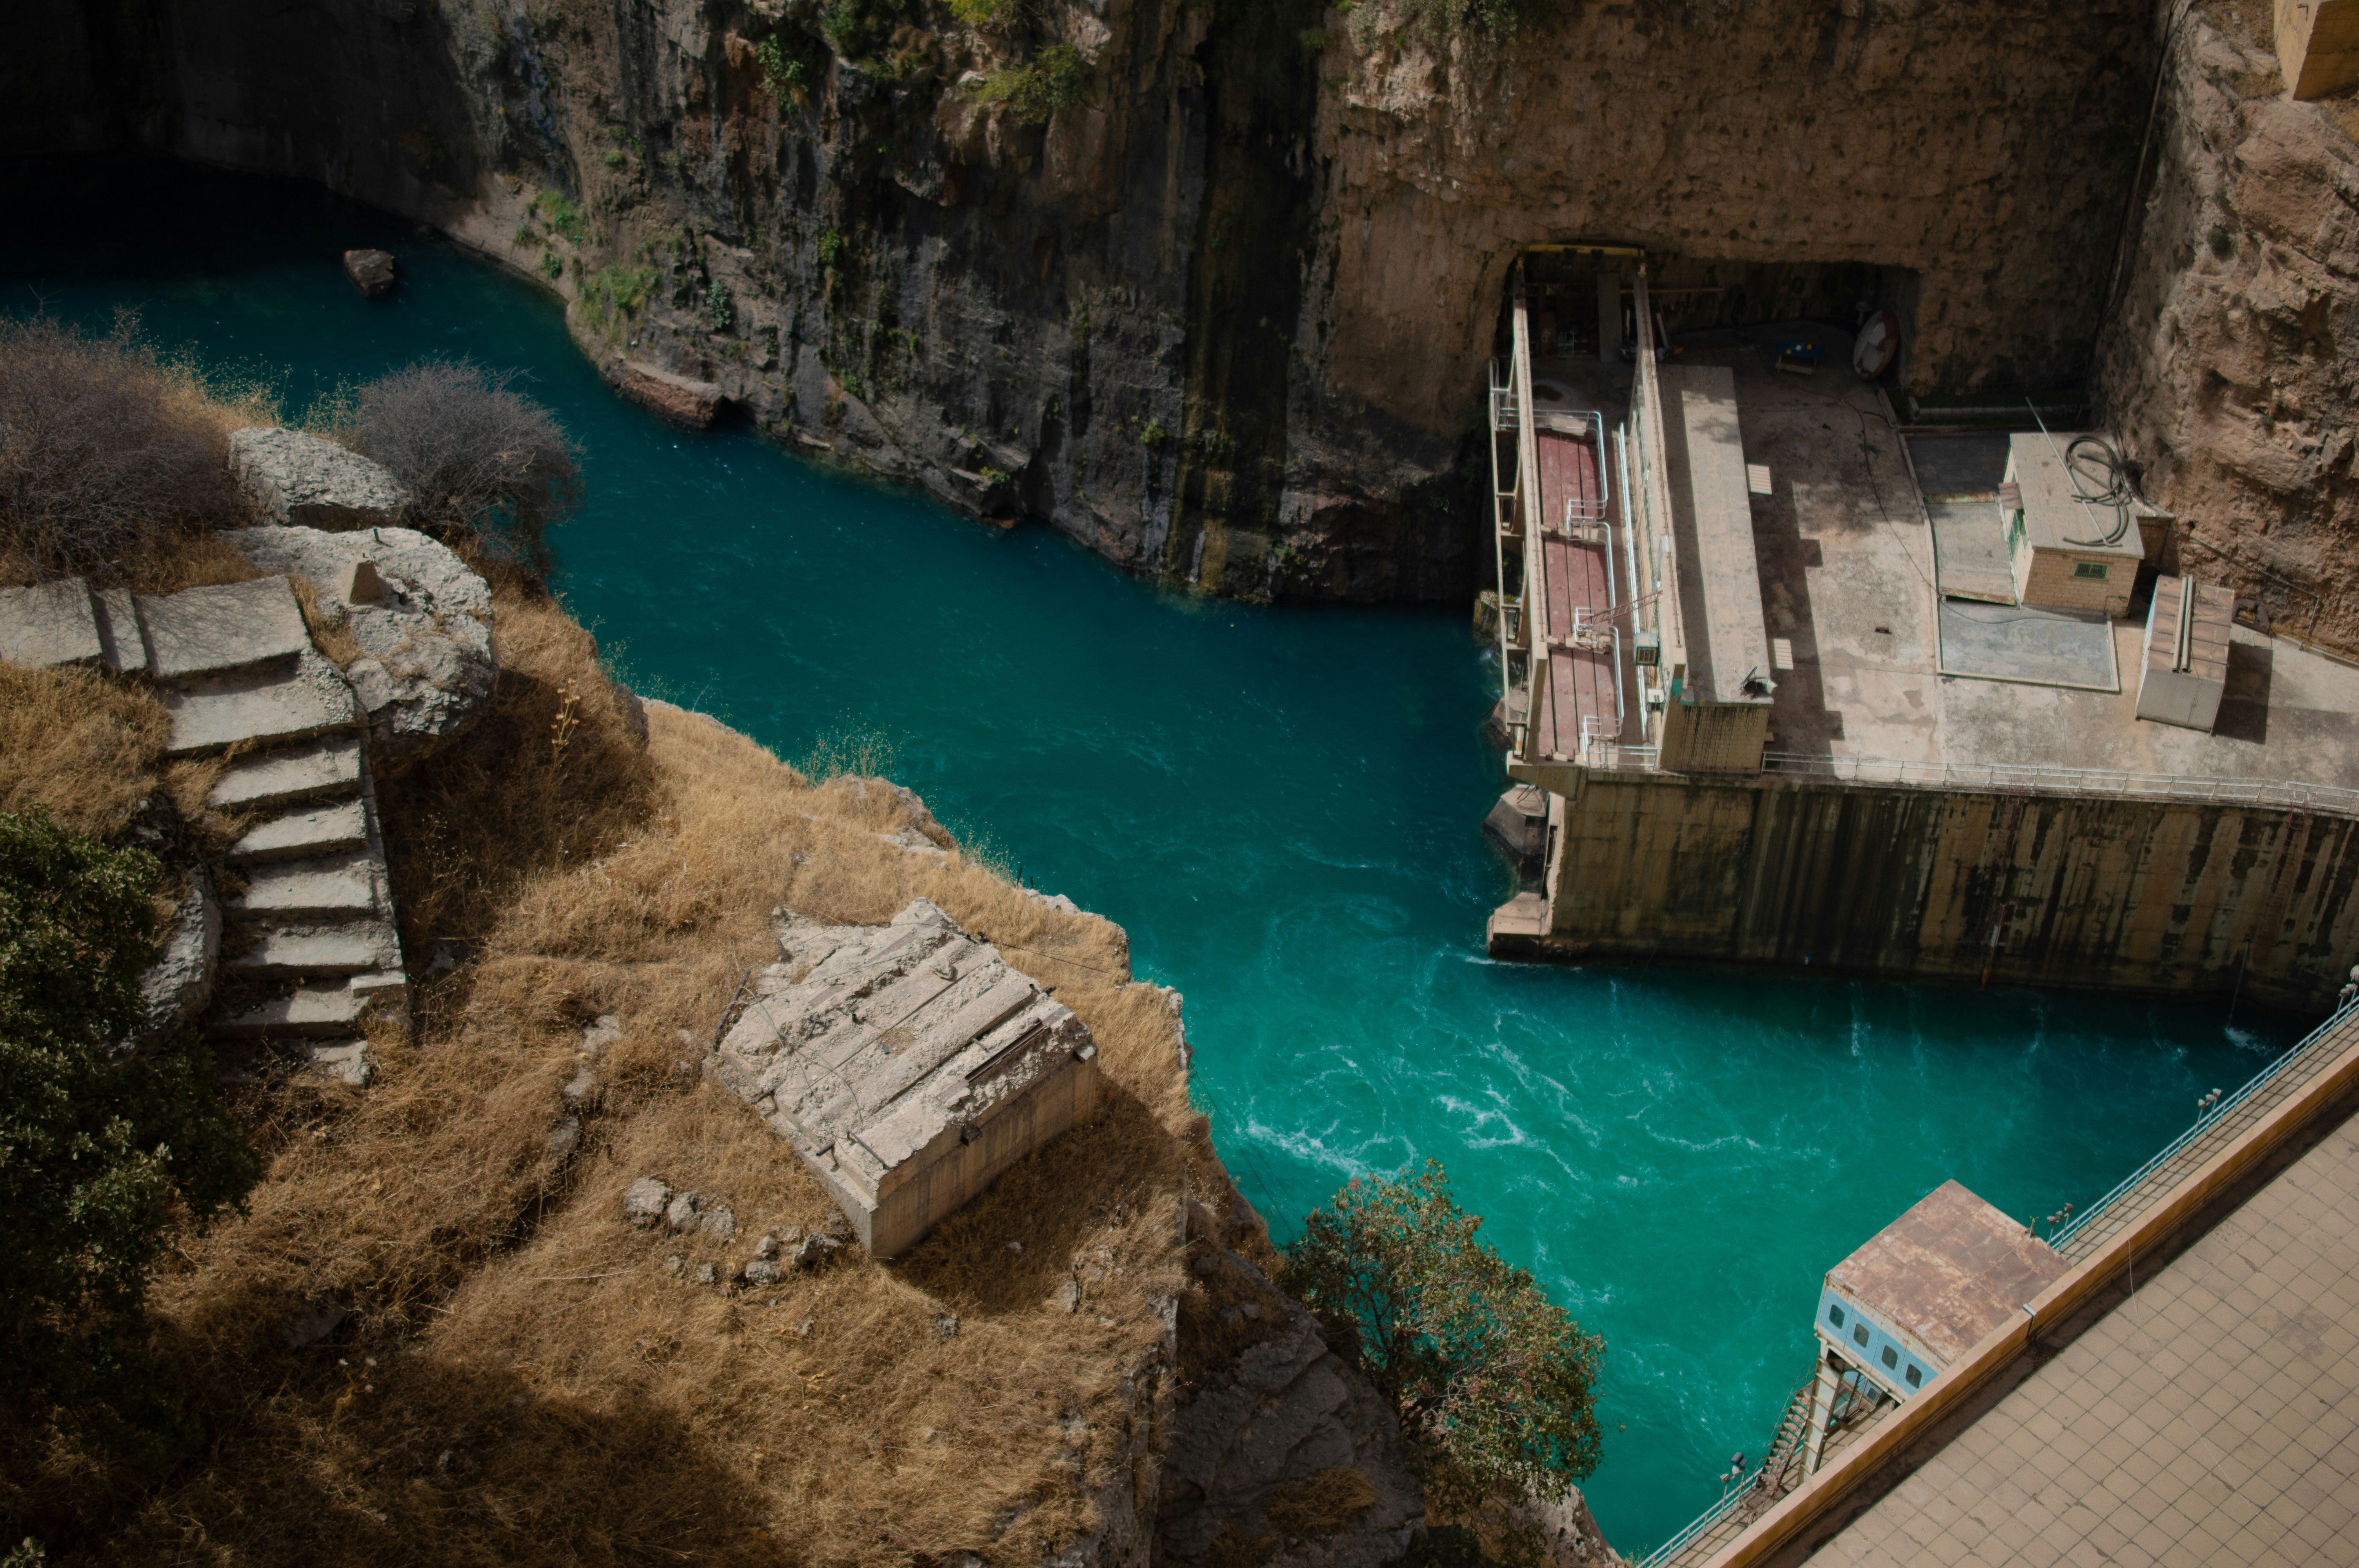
<point>1790,682</point>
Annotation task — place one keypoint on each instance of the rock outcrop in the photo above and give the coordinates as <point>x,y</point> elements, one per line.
<point>422,618</point>
<point>370,271</point>
<point>1222,315</point>
<point>179,983</point>
<point>678,398</point>
<point>2227,368</point>
<point>1287,1421</point>
<point>311,483</point>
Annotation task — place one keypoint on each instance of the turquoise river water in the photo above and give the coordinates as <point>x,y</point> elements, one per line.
<point>1281,804</point>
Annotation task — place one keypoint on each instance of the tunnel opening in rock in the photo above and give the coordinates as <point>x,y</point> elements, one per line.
<point>1583,297</point>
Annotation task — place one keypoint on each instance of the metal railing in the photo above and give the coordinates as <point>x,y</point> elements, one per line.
<point>2109,1214</point>
<point>2034,778</point>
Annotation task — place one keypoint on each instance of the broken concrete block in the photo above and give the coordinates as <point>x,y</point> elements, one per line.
<point>370,271</point>
<point>48,625</point>
<point>643,1201</point>
<point>676,398</point>
<point>907,1063</point>
<point>344,1060</point>
<point>227,629</point>
<point>426,667</point>
<point>307,482</point>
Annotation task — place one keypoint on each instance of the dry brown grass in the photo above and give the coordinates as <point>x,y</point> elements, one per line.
<point>88,746</point>
<point>522,1379</point>
<point>331,629</point>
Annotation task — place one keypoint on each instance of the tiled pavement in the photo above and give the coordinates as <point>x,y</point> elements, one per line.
<point>2212,1418</point>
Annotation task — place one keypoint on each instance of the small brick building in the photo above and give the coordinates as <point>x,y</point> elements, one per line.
<point>2068,551</point>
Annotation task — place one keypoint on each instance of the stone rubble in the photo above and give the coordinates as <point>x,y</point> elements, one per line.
<point>906,1064</point>
<point>643,1201</point>
<point>311,483</point>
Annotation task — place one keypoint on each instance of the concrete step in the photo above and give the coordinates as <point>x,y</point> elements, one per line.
<point>337,887</point>
<point>306,771</point>
<point>388,986</point>
<point>123,642</point>
<point>311,1009</point>
<point>305,833</point>
<point>317,951</point>
<point>228,629</point>
<point>268,709</point>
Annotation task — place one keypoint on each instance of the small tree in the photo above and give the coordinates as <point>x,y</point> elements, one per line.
<point>1493,1381</point>
<point>482,459</point>
<point>97,1159</point>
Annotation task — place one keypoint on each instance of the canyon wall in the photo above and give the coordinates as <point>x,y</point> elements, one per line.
<point>1224,315</point>
<point>2229,365</point>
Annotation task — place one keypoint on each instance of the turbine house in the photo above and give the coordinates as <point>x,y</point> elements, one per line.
<point>1919,1295</point>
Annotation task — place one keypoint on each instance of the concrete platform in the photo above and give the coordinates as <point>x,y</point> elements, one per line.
<point>224,630</point>
<point>2021,642</point>
<point>1847,578</point>
<point>2212,1418</point>
<point>48,625</point>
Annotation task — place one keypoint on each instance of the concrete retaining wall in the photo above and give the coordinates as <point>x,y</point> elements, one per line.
<point>2127,895</point>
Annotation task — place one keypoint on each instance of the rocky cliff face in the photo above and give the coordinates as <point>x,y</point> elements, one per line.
<point>1212,292</point>
<point>2230,367</point>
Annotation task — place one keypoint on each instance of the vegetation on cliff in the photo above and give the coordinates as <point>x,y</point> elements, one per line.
<point>101,1162</point>
<point>1494,1382</point>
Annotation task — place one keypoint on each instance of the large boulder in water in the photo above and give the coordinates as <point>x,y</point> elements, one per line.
<point>310,482</point>
<point>370,271</point>
<point>423,621</point>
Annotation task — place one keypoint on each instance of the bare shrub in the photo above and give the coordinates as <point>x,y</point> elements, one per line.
<point>484,459</point>
<point>109,454</point>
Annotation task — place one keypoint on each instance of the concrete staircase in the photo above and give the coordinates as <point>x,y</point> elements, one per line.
<point>310,944</point>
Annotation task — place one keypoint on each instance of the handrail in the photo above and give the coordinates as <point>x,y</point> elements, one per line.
<point>2311,1050</point>
<point>2053,780</point>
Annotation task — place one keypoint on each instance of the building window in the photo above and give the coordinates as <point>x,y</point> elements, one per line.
<point>1916,1376</point>
<point>1834,1315</point>
<point>2092,571</point>
<point>1859,1333</point>
<point>1891,1356</point>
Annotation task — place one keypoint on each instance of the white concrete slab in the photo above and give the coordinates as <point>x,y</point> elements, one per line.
<point>123,642</point>
<point>304,833</point>
<point>339,887</point>
<point>222,629</point>
<point>48,625</point>
<point>266,709</point>
<point>327,767</point>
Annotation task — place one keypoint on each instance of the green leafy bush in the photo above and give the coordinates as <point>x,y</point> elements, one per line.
<point>550,267</point>
<point>623,288</point>
<point>789,61</point>
<point>830,248</point>
<point>559,213</point>
<point>1037,90</point>
<point>96,1158</point>
<point>720,308</point>
<point>1494,1382</point>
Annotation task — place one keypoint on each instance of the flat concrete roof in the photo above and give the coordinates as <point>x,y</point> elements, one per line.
<point>1847,580</point>
<point>2212,1417</point>
<point>1948,1271</point>
<point>1711,522</point>
<point>2055,517</point>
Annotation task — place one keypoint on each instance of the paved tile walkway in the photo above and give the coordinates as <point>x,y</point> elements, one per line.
<point>2211,1419</point>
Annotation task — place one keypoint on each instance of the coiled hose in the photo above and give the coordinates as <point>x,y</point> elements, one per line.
<point>2106,469</point>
